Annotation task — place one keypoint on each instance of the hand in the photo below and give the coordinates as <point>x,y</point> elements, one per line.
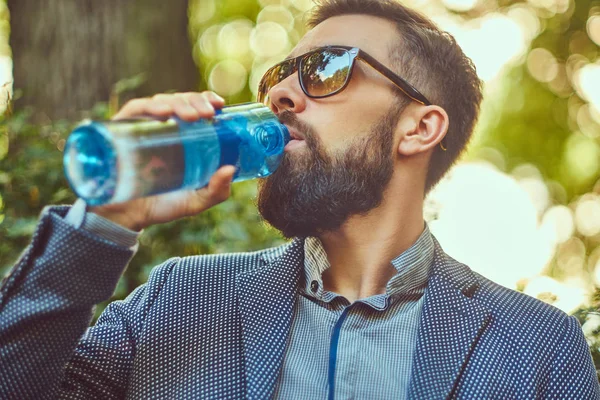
<point>140,213</point>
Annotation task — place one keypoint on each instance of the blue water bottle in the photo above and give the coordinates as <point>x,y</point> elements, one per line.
<point>115,161</point>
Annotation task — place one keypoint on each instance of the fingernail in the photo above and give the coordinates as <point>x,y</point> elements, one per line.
<point>231,171</point>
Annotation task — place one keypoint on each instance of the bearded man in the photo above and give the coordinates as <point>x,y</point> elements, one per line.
<point>362,303</point>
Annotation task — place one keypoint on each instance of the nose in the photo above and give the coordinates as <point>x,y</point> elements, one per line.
<point>288,95</point>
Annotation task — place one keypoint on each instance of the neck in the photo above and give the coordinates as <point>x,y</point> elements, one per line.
<point>361,251</point>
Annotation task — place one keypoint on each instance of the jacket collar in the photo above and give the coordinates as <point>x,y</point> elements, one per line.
<point>266,298</point>
<point>451,322</point>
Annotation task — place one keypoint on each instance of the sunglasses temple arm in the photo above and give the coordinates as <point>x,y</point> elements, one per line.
<point>396,80</point>
<point>382,70</point>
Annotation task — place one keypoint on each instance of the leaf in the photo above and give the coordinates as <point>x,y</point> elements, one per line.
<point>132,83</point>
<point>61,196</point>
<point>23,227</point>
<point>233,230</point>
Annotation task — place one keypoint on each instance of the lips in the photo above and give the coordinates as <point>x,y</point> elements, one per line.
<point>296,140</point>
<point>294,135</point>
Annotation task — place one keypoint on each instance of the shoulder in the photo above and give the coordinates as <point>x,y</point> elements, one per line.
<point>520,338</point>
<point>216,266</point>
<point>512,315</point>
<point>517,308</point>
<point>513,302</point>
<point>524,322</point>
<point>505,305</point>
<point>204,281</point>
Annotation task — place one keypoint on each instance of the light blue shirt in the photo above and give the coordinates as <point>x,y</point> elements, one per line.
<point>366,348</point>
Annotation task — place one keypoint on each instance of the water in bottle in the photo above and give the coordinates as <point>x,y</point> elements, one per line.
<point>115,161</point>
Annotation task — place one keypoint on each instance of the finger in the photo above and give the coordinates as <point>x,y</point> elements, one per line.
<point>159,109</point>
<point>219,186</point>
<point>131,109</point>
<point>184,108</point>
<point>202,104</point>
<point>179,105</point>
<point>214,98</point>
<point>223,176</point>
<point>144,107</point>
<point>217,191</point>
<point>187,106</point>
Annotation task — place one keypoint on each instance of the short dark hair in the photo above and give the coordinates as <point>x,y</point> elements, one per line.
<point>431,60</point>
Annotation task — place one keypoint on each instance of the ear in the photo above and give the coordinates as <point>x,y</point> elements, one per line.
<point>425,128</point>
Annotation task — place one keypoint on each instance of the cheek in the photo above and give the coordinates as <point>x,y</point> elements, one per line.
<point>351,113</point>
<point>354,120</point>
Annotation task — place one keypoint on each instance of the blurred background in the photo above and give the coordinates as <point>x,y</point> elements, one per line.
<point>522,208</point>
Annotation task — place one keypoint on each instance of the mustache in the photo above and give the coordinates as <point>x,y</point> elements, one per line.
<point>290,119</point>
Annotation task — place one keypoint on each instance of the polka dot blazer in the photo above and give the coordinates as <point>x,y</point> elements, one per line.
<point>215,327</point>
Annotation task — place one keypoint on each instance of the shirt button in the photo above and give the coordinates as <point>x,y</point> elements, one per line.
<point>314,286</point>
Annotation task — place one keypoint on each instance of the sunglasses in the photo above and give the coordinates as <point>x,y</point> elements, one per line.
<point>326,71</point>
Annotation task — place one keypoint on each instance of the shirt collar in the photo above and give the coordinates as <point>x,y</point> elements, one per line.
<point>413,267</point>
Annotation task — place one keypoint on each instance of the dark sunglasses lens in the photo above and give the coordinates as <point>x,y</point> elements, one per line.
<point>273,76</point>
<point>325,72</point>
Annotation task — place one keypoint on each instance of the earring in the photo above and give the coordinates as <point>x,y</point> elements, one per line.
<point>443,144</point>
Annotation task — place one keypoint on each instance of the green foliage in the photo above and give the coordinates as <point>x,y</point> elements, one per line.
<point>31,176</point>
<point>530,123</point>
<point>591,317</point>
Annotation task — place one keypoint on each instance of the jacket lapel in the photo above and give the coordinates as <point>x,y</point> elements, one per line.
<point>266,300</point>
<point>451,323</point>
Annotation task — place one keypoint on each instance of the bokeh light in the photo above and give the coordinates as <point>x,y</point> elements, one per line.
<point>233,39</point>
<point>460,5</point>
<point>228,77</point>
<point>204,11</point>
<point>258,70</point>
<point>266,3</point>
<point>594,265</point>
<point>587,121</point>
<point>538,193</point>
<point>302,5</point>
<point>542,65</point>
<point>208,43</point>
<point>551,7</point>
<point>566,297</point>
<point>269,39</point>
<point>570,258</point>
<point>557,225</point>
<point>593,28</point>
<point>492,41</point>
<point>591,326</point>
<point>486,220</point>
<point>277,14</point>
<point>587,83</point>
<point>582,157</point>
<point>587,215</point>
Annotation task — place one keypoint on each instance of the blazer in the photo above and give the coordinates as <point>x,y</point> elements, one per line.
<point>215,327</point>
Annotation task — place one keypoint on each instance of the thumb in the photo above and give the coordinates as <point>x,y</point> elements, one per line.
<point>217,191</point>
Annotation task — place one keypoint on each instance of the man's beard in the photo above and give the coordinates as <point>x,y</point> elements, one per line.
<point>313,192</point>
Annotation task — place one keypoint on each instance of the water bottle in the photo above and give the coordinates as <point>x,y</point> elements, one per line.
<point>115,161</point>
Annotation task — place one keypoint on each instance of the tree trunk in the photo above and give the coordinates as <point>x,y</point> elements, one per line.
<point>68,54</point>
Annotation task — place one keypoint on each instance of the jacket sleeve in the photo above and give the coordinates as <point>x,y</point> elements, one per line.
<point>46,304</point>
<point>573,374</point>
